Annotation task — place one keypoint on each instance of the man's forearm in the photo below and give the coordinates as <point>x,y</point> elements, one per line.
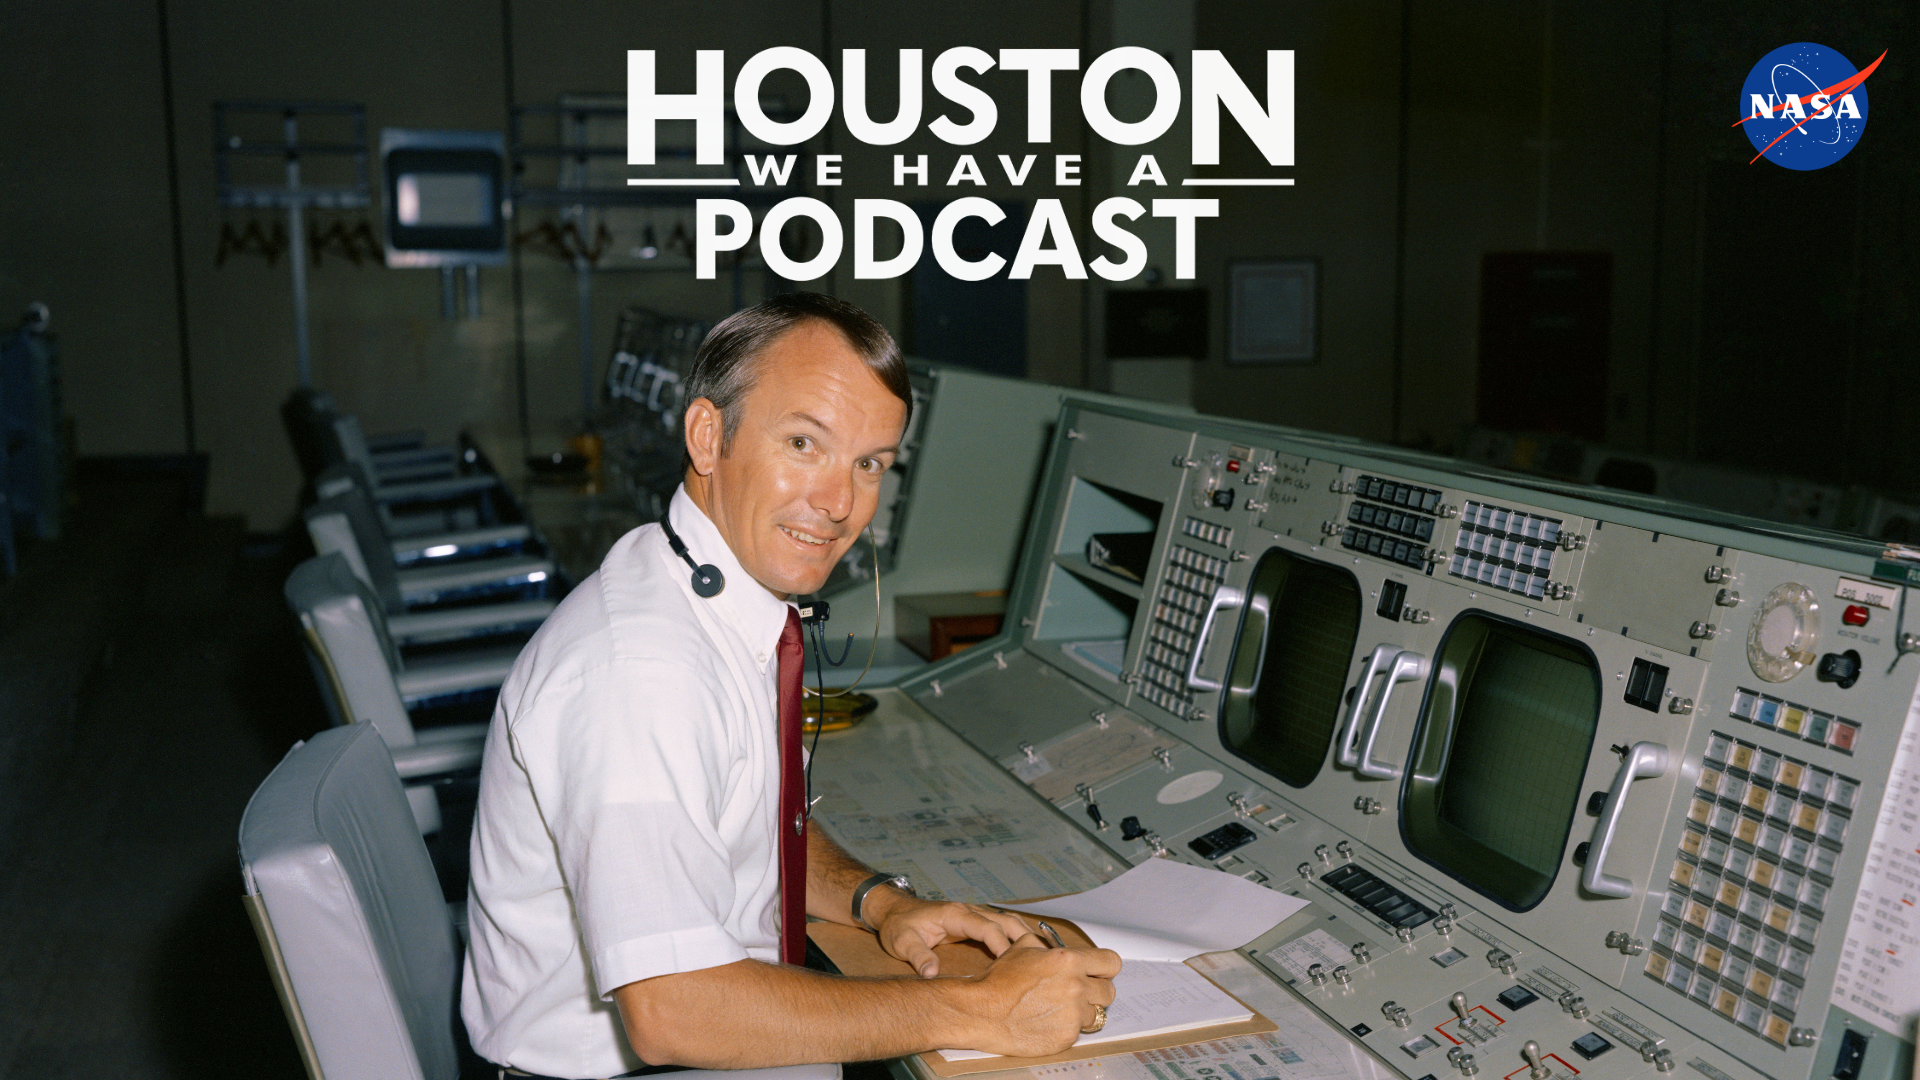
<point>832,875</point>
<point>749,1014</point>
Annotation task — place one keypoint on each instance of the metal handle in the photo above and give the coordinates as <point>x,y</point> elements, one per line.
<point>1407,666</point>
<point>1644,760</point>
<point>1225,597</point>
<point>1349,744</point>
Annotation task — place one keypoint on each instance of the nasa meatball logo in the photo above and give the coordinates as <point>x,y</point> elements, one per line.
<point>1805,106</point>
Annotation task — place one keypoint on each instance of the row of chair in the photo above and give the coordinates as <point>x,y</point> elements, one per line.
<point>425,582</point>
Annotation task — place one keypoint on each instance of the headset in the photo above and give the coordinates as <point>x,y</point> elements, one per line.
<point>708,582</point>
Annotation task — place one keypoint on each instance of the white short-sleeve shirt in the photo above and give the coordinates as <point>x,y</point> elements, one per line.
<point>628,797</point>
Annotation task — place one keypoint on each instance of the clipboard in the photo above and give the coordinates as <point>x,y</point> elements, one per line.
<point>857,952</point>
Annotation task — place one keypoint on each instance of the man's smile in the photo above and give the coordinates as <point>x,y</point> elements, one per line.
<point>803,537</point>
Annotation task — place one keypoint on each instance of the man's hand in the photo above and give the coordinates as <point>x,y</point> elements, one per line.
<point>910,927</point>
<point>1035,1000</point>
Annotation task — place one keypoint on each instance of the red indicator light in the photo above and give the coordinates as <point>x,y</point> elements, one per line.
<point>1233,464</point>
<point>1855,615</point>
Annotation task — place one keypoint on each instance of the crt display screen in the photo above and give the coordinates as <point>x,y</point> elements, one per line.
<point>1499,760</point>
<point>1289,666</point>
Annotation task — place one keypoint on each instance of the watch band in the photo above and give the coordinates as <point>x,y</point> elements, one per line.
<point>898,881</point>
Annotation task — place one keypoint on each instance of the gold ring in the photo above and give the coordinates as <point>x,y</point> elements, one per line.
<point>1099,1020</point>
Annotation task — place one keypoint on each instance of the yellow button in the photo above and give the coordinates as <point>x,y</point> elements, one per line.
<point>1756,798</point>
<point>1746,829</point>
<point>1683,872</point>
<point>1760,982</point>
<point>1710,958</point>
<point>1710,780</point>
<point>1806,817</point>
<point>1775,1029</point>
<point>1697,915</point>
<point>1792,720</point>
<point>1742,756</point>
<point>1778,917</point>
<point>1791,773</point>
<point>1690,842</point>
<point>1762,874</point>
<point>1700,811</point>
<point>1656,965</point>
<point>1729,894</point>
<point>1725,1000</point>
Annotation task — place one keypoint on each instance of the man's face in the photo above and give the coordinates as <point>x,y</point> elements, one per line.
<point>802,477</point>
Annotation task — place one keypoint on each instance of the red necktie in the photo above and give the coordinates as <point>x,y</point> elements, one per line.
<point>792,826</point>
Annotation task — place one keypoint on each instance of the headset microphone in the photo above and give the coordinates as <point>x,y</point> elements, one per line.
<point>707,579</point>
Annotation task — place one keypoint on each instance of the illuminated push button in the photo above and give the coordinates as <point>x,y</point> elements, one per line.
<point>1843,793</point>
<point>1855,615</point>
<point>1779,917</point>
<point>1786,885</point>
<point>1719,745</point>
<point>1674,904</point>
<point>1755,798</point>
<point>1771,840</point>
<point>1768,713</point>
<point>1711,957</point>
<point>1786,997</point>
<point>1749,1015</point>
<point>1687,947</point>
<point>1726,819</point>
<point>1729,895</point>
<point>1843,735</point>
<point>1793,719</point>
<point>1745,830</point>
<point>1710,781</point>
<point>1823,861</point>
<point>1813,896</point>
<point>1775,1029</point>
<point>1805,928</point>
<point>1795,962</point>
<point>1664,935</point>
<point>1744,703</point>
<point>1797,851</point>
<point>1696,915</point>
<point>1816,784</point>
<point>1720,925</point>
<point>1819,724</point>
<point>1691,842</point>
<point>1833,828</point>
<point>1679,978</point>
<point>1706,884</point>
<point>1766,763</point>
<point>1734,973</point>
<point>1753,906</point>
<point>1790,774</point>
<point>1806,817</point>
<point>1700,812</point>
<point>1769,950</point>
<point>1780,805</point>
<point>1682,873</point>
<point>1702,988</point>
<point>1657,966</point>
<point>1742,756</point>
<point>1762,873</point>
<point>1760,983</point>
<point>1739,862</point>
<point>1725,1001</point>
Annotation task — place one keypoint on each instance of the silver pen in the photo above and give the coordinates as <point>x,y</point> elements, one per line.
<point>1054,934</point>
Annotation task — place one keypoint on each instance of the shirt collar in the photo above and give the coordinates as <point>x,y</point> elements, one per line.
<point>744,604</point>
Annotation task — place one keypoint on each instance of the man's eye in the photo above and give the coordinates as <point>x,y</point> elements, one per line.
<point>799,442</point>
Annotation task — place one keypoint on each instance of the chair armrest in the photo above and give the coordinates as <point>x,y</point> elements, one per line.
<point>466,542</point>
<point>459,673</point>
<point>437,757</point>
<point>432,584</point>
<point>452,624</point>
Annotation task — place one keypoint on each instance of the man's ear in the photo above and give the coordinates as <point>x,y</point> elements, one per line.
<point>705,430</point>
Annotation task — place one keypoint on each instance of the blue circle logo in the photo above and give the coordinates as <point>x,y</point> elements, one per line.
<point>1804,106</point>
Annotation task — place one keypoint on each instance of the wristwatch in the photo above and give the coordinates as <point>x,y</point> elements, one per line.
<point>898,881</point>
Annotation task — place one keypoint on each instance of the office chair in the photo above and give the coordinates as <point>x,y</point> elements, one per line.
<point>408,476</point>
<point>352,924</point>
<point>364,680</point>
<point>347,525</point>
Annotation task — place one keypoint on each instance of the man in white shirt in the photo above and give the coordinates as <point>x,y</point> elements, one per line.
<point>625,908</point>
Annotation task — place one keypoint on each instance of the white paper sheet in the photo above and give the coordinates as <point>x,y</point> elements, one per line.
<point>1168,910</point>
<point>1151,998</point>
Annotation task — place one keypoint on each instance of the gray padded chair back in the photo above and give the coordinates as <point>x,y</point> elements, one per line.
<point>355,661</point>
<point>350,915</point>
<point>350,442</point>
<point>347,524</point>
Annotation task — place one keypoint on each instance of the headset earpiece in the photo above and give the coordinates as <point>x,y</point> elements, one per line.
<point>707,580</point>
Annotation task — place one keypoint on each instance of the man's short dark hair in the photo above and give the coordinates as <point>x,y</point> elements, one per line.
<point>726,365</point>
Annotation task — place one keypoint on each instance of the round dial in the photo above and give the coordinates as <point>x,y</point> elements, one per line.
<point>1784,633</point>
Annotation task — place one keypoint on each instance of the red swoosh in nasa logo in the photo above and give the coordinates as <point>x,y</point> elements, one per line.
<point>1838,89</point>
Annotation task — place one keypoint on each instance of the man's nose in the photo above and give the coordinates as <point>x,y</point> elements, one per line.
<point>833,494</point>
